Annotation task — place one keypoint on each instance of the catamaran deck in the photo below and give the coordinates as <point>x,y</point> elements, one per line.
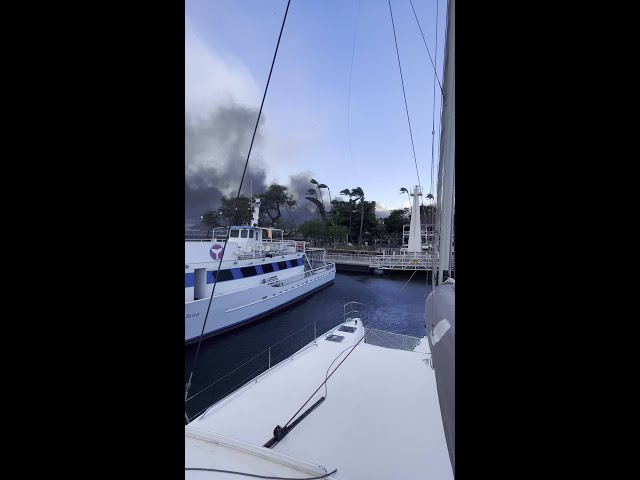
<point>380,420</point>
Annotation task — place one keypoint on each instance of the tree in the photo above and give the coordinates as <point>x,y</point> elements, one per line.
<point>320,207</point>
<point>317,185</point>
<point>312,191</point>
<point>396,219</point>
<point>336,232</point>
<point>314,230</point>
<point>428,214</point>
<point>320,187</point>
<point>235,213</point>
<point>347,193</point>
<point>275,197</point>
<point>359,194</point>
<point>211,219</point>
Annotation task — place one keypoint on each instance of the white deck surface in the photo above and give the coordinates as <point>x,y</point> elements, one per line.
<point>380,420</point>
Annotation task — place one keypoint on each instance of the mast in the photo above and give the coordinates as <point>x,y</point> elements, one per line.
<point>445,193</point>
<point>415,229</point>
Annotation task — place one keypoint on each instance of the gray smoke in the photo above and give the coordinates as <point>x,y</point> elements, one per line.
<point>215,151</point>
<point>304,209</point>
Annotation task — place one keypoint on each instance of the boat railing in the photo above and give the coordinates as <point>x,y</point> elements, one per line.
<point>265,248</point>
<point>284,243</point>
<point>397,341</point>
<point>352,310</point>
<point>287,348</point>
<point>251,369</point>
<point>277,282</point>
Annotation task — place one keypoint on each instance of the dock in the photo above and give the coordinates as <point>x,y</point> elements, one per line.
<point>370,263</point>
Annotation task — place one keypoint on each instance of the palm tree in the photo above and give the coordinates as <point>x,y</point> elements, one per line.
<point>404,190</point>
<point>317,186</point>
<point>347,193</point>
<point>312,191</point>
<point>357,192</point>
<point>320,187</point>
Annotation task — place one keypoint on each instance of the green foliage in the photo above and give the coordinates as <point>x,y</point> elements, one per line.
<point>321,211</point>
<point>211,219</point>
<point>315,230</point>
<point>337,233</point>
<point>396,219</point>
<point>273,199</point>
<point>233,213</point>
<point>427,214</point>
<point>312,230</point>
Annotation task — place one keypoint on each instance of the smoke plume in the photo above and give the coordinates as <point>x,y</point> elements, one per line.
<point>216,150</point>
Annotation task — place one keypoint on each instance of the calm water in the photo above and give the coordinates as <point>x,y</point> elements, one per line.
<point>247,347</point>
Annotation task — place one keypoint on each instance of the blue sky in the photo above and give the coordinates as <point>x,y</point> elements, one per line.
<point>229,46</point>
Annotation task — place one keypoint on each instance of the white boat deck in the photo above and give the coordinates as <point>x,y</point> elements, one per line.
<point>381,418</point>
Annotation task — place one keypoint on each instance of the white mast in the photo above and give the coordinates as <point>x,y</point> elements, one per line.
<point>255,206</point>
<point>415,229</point>
<point>445,194</point>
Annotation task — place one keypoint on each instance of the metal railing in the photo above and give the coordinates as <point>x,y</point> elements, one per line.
<point>257,365</point>
<point>339,257</point>
<point>352,309</point>
<point>406,261</point>
<point>277,282</point>
<point>296,343</point>
<point>396,341</point>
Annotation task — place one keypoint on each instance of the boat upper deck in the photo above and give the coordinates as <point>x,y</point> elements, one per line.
<point>380,419</point>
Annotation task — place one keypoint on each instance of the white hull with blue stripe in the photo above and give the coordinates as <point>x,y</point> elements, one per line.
<point>258,275</point>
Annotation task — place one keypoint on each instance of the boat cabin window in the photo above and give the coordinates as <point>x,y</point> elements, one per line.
<point>267,268</point>
<point>248,271</point>
<point>244,233</point>
<point>250,233</point>
<point>234,233</point>
<point>282,265</point>
<point>224,275</point>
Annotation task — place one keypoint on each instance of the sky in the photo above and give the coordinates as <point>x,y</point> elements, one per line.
<point>315,122</point>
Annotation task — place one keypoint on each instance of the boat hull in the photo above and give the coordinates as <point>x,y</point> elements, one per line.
<point>238,308</point>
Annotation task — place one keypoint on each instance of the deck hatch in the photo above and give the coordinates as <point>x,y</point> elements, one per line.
<point>335,338</point>
<point>344,328</point>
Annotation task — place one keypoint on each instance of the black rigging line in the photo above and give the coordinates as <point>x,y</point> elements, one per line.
<point>421,213</point>
<point>433,111</point>
<point>263,98</point>
<point>425,44</point>
<point>246,164</point>
<point>288,428</point>
<point>403,92</point>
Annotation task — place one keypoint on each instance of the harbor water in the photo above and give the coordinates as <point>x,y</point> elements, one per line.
<point>390,302</point>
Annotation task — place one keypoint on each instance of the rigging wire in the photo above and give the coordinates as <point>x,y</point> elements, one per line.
<point>246,164</point>
<point>421,210</point>
<point>433,111</point>
<point>433,140</point>
<point>292,221</point>
<point>441,146</point>
<point>251,359</point>
<point>403,91</point>
<point>353,349</point>
<point>425,44</point>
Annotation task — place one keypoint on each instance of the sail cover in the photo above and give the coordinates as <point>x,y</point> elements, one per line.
<point>440,323</point>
